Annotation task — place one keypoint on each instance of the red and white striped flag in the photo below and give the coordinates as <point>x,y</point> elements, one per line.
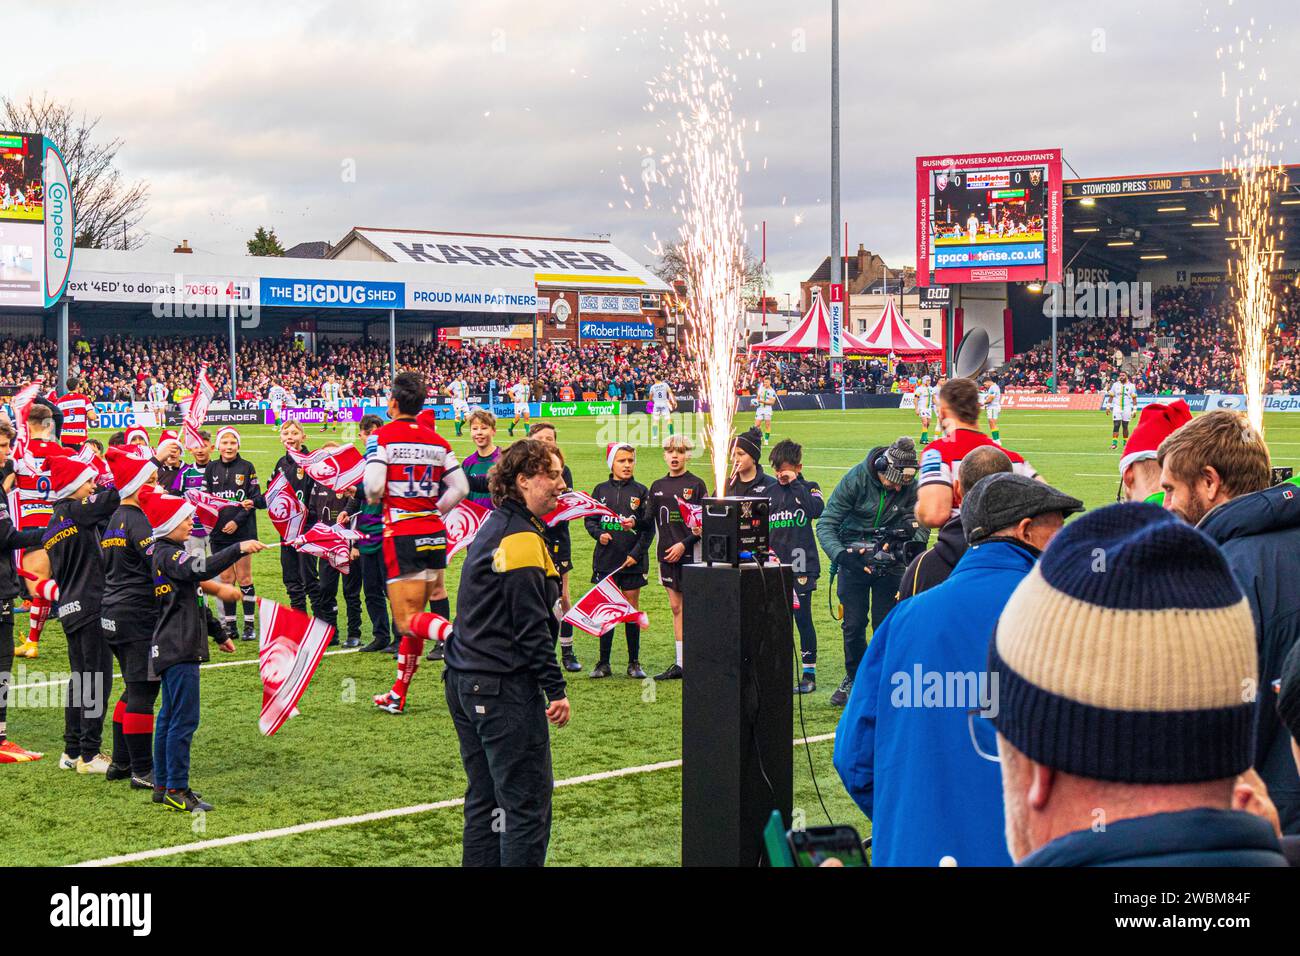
<point>602,607</point>
<point>284,508</point>
<point>576,504</point>
<point>693,515</point>
<point>329,541</point>
<point>336,468</point>
<point>22,405</point>
<point>462,523</point>
<point>195,408</point>
<point>290,646</point>
<point>206,507</point>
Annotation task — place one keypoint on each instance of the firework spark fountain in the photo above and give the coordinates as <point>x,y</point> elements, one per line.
<point>704,161</point>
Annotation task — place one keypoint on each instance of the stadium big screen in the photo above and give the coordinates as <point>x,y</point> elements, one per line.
<point>989,217</point>
<point>22,212</point>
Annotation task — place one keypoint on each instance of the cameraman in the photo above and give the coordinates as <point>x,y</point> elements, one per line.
<point>870,533</point>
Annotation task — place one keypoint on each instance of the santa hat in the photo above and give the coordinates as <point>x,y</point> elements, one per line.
<point>612,450</point>
<point>164,511</point>
<point>137,431</point>
<point>427,419</point>
<point>228,430</point>
<point>129,471</point>
<point>67,474</point>
<point>168,436</point>
<point>1157,423</point>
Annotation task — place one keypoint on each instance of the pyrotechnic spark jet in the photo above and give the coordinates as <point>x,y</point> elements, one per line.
<point>707,152</point>
<point>1256,246</point>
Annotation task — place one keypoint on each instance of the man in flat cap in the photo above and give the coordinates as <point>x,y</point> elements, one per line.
<point>904,745</point>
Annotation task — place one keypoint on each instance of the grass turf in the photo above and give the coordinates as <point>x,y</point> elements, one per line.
<point>341,757</point>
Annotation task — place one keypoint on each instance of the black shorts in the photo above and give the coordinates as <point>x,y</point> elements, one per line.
<point>670,575</point>
<point>408,554</point>
<point>564,565</point>
<point>805,584</point>
<point>133,659</point>
<point>629,580</point>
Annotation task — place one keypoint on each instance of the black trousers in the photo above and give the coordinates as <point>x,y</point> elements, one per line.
<point>86,701</point>
<point>505,746</point>
<point>300,579</point>
<point>866,598</point>
<point>327,609</point>
<point>6,654</point>
<point>374,580</point>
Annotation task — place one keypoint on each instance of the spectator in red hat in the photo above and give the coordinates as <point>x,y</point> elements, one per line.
<point>1139,471</point>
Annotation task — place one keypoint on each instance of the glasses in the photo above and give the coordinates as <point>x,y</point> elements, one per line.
<point>974,740</point>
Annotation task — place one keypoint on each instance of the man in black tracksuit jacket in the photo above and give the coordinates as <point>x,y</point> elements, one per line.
<point>299,571</point>
<point>622,549</point>
<point>500,673</point>
<point>71,540</point>
<point>330,507</point>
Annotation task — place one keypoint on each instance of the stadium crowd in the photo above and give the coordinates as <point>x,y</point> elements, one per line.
<point>121,368</point>
<point>1188,348</point>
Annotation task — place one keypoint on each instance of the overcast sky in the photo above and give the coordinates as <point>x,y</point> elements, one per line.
<point>519,117</point>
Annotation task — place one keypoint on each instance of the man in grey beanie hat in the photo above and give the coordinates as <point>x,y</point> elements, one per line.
<point>870,533</point>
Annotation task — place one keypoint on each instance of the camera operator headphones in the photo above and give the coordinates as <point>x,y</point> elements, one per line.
<point>898,463</point>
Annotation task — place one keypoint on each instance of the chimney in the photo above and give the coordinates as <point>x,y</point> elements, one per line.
<point>184,247</point>
<point>862,259</point>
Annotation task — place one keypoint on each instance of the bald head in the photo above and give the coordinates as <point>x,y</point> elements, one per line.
<point>980,463</point>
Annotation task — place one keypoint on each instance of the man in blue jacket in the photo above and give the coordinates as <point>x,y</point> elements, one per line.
<point>903,747</point>
<point>1215,473</point>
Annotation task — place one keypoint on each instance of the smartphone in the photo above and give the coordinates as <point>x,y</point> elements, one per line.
<point>815,845</point>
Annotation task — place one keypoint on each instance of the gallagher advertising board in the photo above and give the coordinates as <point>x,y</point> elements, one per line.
<point>989,217</point>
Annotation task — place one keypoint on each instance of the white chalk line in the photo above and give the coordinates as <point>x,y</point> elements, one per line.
<point>376,815</point>
<point>212,666</point>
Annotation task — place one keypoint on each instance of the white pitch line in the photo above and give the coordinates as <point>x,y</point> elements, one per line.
<point>259,835</point>
<point>202,667</point>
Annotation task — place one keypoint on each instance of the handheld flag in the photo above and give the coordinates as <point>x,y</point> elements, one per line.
<point>284,508</point>
<point>331,542</point>
<point>338,469</point>
<point>290,646</point>
<point>693,515</point>
<point>576,504</point>
<point>602,607</point>
<point>22,405</point>
<point>206,507</point>
<point>195,408</point>
<point>462,523</point>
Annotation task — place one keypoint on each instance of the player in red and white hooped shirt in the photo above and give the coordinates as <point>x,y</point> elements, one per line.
<point>413,471</point>
<point>35,507</point>
<point>959,411</point>
<point>79,415</point>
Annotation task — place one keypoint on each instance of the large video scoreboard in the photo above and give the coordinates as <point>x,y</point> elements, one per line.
<point>36,221</point>
<point>989,217</point>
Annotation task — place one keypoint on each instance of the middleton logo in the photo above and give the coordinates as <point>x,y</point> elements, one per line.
<point>76,909</point>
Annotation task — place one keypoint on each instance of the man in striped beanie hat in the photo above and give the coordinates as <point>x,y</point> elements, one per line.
<point>1124,669</point>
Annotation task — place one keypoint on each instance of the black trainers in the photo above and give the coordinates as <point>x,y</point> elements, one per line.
<point>674,672</point>
<point>142,783</point>
<point>600,670</point>
<point>185,800</point>
<point>250,633</point>
<point>375,645</point>
<point>117,772</point>
<point>570,660</point>
<point>437,652</point>
<point>807,683</point>
<point>634,670</point>
<point>352,642</point>
<point>841,695</point>
<point>229,632</point>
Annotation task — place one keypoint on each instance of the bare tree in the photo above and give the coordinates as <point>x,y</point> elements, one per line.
<point>109,209</point>
<point>672,267</point>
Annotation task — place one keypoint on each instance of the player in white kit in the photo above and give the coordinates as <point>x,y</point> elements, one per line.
<point>279,397</point>
<point>991,399</point>
<point>459,392</point>
<point>157,395</point>
<point>925,393</point>
<point>519,392</point>
<point>1121,399</point>
<point>662,405</point>
<point>764,402</point>
<point>331,393</point>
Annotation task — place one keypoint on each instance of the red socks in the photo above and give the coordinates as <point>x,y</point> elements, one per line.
<point>430,627</point>
<point>408,660</point>
<point>40,612</point>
